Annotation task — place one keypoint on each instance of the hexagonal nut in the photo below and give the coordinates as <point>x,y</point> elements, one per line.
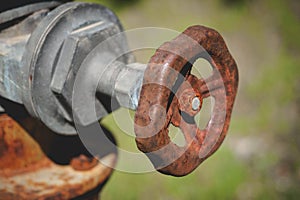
<point>76,47</point>
<point>128,85</point>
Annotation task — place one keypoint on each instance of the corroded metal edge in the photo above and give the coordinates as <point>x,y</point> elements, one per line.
<point>26,173</point>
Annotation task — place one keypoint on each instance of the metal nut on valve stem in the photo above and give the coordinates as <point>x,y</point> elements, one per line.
<point>128,85</point>
<point>123,82</point>
<point>196,103</point>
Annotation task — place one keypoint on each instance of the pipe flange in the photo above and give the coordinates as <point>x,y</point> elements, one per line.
<point>45,54</point>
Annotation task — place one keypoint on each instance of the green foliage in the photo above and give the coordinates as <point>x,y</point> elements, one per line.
<point>114,4</point>
<point>217,179</point>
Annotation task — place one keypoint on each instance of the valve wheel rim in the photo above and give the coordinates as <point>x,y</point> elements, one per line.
<point>173,58</point>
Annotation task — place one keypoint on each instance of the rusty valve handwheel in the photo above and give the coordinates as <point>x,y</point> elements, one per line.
<point>171,94</point>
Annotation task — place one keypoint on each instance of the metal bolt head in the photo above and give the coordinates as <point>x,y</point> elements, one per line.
<point>196,103</point>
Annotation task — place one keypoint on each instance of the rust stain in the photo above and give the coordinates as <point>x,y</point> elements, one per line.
<point>18,147</point>
<point>18,151</point>
<point>3,145</point>
<point>83,163</point>
<point>26,173</point>
<point>168,61</point>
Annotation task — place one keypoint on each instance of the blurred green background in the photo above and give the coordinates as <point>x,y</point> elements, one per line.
<point>260,158</point>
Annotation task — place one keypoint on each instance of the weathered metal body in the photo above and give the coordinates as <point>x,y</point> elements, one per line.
<point>50,65</point>
<point>41,56</point>
<point>26,173</point>
<point>14,36</point>
<point>40,46</point>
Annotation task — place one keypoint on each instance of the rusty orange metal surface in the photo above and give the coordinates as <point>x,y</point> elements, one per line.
<point>158,107</point>
<point>19,153</point>
<point>83,163</point>
<point>26,173</point>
